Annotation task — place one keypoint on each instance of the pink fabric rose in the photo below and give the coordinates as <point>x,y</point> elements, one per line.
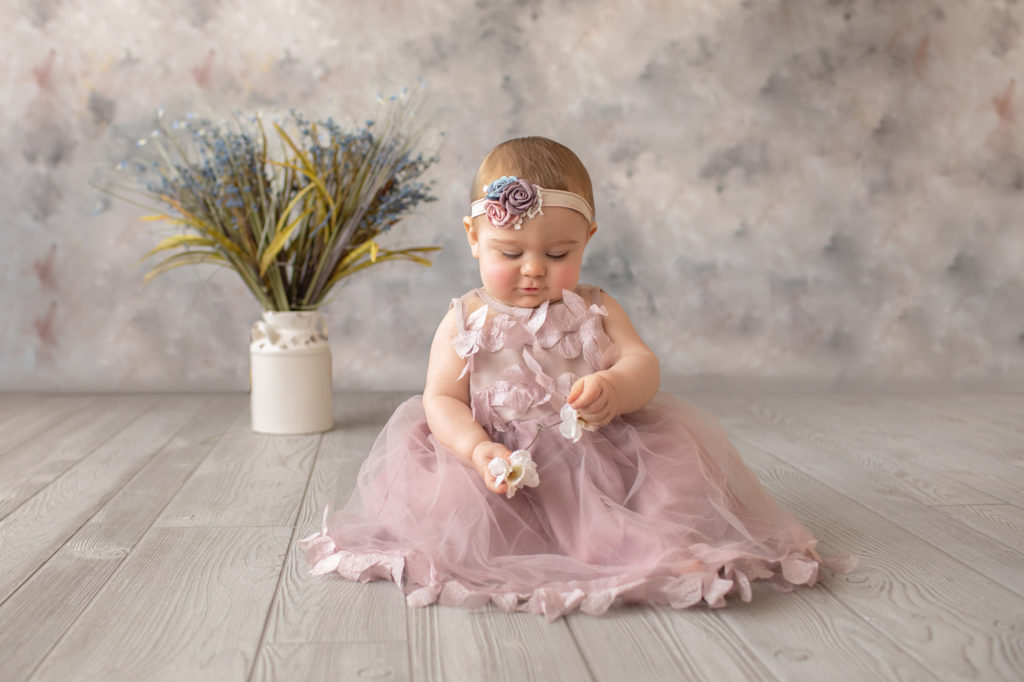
<point>498,214</point>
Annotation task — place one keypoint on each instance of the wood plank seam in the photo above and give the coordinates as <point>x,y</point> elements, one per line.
<point>9,446</point>
<point>284,563</point>
<point>100,505</point>
<point>96,447</point>
<point>71,464</point>
<point>831,443</point>
<point>579,648</point>
<point>872,626</point>
<point>924,448</point>
<point>811,441</point>
<point>986,532</point>
<point>999,503</point>
<point>124,558</point>
<point>838,493</point>
<point>20,405</point>
<point>980,577</point>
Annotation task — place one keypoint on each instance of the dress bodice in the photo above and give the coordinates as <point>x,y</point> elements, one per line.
<point>522,362</point>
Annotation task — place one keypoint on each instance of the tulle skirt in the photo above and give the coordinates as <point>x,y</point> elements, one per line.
<point>656,507</point>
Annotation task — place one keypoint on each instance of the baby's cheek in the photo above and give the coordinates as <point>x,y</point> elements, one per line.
<point>565,277</point>
<point>499,275</point>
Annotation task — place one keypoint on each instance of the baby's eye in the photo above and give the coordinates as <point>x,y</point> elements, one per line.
<point>511,255</point>
<point>558,256</point>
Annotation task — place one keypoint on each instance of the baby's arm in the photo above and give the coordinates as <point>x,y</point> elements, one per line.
<point>446,403</point>
<point>624,387</point>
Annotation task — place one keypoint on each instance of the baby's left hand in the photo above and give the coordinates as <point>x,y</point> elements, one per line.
<point>596,399</point>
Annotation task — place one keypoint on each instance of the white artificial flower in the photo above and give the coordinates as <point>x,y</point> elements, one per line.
<point>499,468</point>
<point>572,424</point>
<point>523,470</point>
<point>517,471</point>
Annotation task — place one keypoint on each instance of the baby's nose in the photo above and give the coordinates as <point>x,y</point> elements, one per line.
<point>533,267</point>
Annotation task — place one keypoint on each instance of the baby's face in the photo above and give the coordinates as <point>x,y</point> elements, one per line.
<point>533,264</point>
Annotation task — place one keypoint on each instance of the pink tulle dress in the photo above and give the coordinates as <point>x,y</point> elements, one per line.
<point>656,507</point>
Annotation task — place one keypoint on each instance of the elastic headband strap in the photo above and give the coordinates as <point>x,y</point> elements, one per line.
<point>546,198</point>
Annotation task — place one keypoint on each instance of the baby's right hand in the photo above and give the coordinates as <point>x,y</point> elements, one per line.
<point>483,453</point>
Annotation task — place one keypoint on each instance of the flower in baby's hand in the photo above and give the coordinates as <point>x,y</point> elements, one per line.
<point>523,470</point>
<point>517,471</point>
<point>572,424</point>
<point>499,468</point>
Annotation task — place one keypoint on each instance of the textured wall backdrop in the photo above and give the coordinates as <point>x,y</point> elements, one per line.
<point>816,191</point>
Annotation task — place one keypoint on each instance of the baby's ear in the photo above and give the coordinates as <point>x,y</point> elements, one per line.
<point>471,236</point>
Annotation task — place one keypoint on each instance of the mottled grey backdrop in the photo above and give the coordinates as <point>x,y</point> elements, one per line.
<point>817,191</point>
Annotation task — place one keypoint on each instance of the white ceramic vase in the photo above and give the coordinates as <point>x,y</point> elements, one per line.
<point>290,373</point>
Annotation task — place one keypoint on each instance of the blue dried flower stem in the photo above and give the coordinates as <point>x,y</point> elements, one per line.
<point>389,169</point>
<point>206,214</point>
<point>373,165</point>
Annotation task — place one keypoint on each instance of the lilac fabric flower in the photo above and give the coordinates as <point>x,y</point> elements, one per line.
<point>519,196</point>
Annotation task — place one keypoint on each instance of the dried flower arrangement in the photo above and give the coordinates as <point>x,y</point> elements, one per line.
<point>294,224</point>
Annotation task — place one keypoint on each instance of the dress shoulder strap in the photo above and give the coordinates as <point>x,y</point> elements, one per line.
<point>590,293</point>
<point>460,313</point>
<point>464,306</point>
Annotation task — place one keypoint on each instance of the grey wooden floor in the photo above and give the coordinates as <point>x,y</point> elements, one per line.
<point>149,537</point>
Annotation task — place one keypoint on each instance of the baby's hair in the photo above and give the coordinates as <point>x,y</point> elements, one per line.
<point>542,161</point>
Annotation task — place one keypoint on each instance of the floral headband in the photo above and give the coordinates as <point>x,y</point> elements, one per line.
<point>510,199</point>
